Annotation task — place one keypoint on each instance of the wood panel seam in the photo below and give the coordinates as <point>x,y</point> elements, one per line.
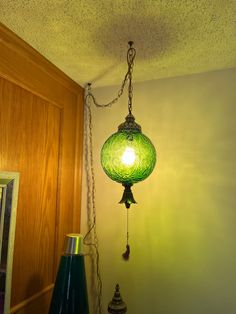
<point>57,219</point>
<point>24,303</point>
<point>78,161</point>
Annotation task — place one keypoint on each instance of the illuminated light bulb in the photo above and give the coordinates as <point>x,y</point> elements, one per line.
<point>128,157</point>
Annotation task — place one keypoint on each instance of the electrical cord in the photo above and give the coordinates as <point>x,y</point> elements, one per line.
<point>91,238</point>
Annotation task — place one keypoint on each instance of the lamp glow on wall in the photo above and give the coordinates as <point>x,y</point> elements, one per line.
<point>128,156</point>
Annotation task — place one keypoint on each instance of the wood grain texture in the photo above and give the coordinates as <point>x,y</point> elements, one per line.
<point>30,145</point>
<point>22,64</point>
<point>37,304</point>
<point>41,122</point>
<point>78,162</point>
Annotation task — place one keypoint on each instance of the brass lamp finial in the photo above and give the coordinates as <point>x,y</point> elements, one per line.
<point>117,305</point>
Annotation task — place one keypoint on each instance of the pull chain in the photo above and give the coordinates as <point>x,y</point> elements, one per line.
<point>126,254</point>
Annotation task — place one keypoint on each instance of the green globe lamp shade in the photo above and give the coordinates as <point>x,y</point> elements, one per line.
<point>128,156</point>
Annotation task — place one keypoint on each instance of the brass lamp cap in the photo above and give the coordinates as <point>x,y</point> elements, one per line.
<point>73,244</point>
<point>129,125</point>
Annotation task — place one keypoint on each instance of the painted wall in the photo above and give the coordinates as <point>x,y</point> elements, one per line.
<point>182,231</point>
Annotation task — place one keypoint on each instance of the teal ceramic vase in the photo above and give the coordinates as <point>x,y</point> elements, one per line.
<point>70,290</point>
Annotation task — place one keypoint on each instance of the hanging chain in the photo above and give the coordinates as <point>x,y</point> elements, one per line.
<point>130,60</point>
<point>126,254</point>
<point>128,77</point>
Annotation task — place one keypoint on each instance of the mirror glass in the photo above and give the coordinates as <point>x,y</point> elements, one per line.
<point>9,183</point>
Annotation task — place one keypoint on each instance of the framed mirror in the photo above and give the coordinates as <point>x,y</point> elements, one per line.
<point>9,183</point>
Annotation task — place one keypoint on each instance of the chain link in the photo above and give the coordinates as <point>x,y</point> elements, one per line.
<point>130,60</point>
<point>128,77</point>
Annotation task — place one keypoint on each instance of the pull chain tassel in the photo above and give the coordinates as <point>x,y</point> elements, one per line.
<point>126,254</point>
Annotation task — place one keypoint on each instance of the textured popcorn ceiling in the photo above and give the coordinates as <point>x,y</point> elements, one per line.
<point>88,39</point>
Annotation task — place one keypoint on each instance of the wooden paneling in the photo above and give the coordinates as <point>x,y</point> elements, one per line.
<point>37,304</point>
<point>22,64</point>
<point>41,123</point>
<point>30,145</point>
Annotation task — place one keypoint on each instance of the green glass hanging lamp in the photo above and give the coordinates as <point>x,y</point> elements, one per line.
<point>128,156</point>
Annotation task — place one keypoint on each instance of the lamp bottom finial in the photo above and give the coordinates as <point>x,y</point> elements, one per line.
<point>127,197</point>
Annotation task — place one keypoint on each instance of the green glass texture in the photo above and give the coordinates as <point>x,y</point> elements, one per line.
<point>70,290</point>
<point>128,157</point>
